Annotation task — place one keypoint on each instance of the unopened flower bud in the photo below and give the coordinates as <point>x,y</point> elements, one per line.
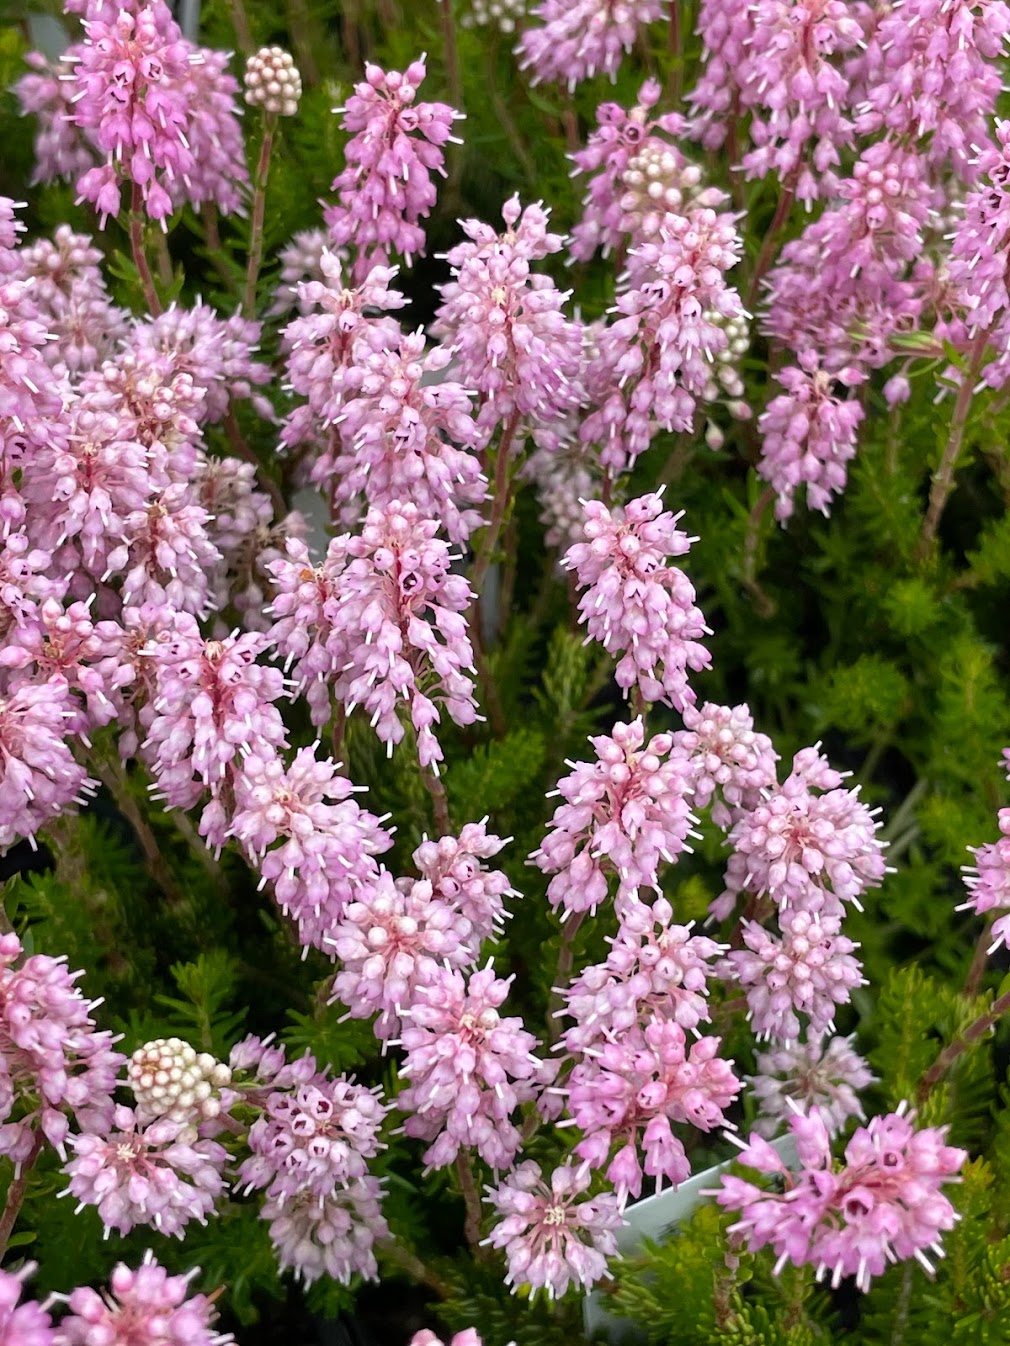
<point>272,81</point>
<point>170,1079</point>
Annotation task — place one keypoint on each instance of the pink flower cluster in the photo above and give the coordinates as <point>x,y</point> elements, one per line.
<point>55,1064</point>
<point>159,111</point>
<point>144,1307</point>
<point>468,1068</point>
<point>552,1235</point>
<point>581,38</point>
<point>385,190</point>
<point>505,324</point>
<point>624,814</point>
<point>634,603</point>
<point>884,1204</point>
<point>988,882</point>
<point>824,1073</point>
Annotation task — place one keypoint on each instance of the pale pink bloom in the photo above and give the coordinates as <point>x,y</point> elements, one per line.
<point>625,813</point>
<point>217,354</point>
<point>809,851</point>
<point>884,1204</point>
<point>385,190</point>
<point>333,1235</point>
<point>399,630</point>
<point>582,38</point>
<point>61,148</point>
<point>159,1175</point>
<point>54,1064</point>
<point>455,868</point>
<point>639,176</point>
<point>468,1068</point>
<point>406,435</point>
<point>391,939</point>
<point>636,604</point>
<point>25,1323</point>
<point>146,1307</point>
<point>823,1073</point>
<point>468,1337</point>
<point>670,346</point>
<point>505,323</point>
<point>312,1138</point>
<point>339,325</point>
<point>654,970</point>
<point>730,762</point>
<point>553,1239</point>
<point>212,702</point>
<point>630,1091</point>
<point>809,436</point>
<point>39,776</point>
<point>809,970</point>
<point>988,881</point>
<point>167,555</point>
<point>302,829</point>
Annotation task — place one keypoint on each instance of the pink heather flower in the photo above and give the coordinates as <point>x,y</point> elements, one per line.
<point>454,866</point>
<point>328,343</point>
<point>978,254</point>
<point>677,320</point>
<point>69,293</point>
<point>630,808</point>
<point>313,1138</point>
<point>39,776</point>
<point>988,881</point>
<point>306,627</point>
<point>166,555</point>
<point>396,591</point>
<point>730,763</point>
<point>212,700</point>
<point>216,354</point>
<point>582,38</point>
<point>635,604</point>
<point>27,1323</point>
<point>24,583</point>
<point>303,831</point>
<point>146,1307</point>
<point>797,97</point>
<point>162,405</point>
<point>301,261</point>
<point>505,323</point>
<point>468,1068</point>
<point>883,1205</point>
<point>562,478</point>
<point>30,392</point>
<point>552,1239</point>
<point>53,1061</point>
<point>391,939</point>
<point>822,1073</point>
<point>808,851</point>
<point>638,176</point>
<point>159,1175</point>
<point>61,148</point>
<point>468,1337</point>
<point>931,71</point>
<point>655,970</point>
<point>726,28</point>
<point>809,435</point>
<point>137,98</point>
<point>809,970</point>
<point>385,190</point>
<point>404,436</point>
<point>628,1092</point>
<point>332,1235</point>
<point>82,488</point>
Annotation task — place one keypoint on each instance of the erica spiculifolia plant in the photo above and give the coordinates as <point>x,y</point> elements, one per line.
<point>504,685</point>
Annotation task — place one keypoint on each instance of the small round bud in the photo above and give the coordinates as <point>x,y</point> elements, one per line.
<point>272,81</point>
<point>169,1079</point>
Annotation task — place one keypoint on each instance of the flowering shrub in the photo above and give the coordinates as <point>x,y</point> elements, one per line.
<point>503,670</point>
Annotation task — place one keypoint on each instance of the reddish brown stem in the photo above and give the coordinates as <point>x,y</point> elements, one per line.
<point>968,1038</point>
<point>771,243</point>
<point>16,1195</point>
<point>471,1198</point>
<point>140,252</point>
<point>499,505</point>
<point>943,480</point>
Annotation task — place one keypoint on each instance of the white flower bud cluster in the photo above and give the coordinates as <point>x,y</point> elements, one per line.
<point>727,362</point>
<point>272,81</point>
<point>502,13</point>
<point>659,181</point>
<point>169,1078</point>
